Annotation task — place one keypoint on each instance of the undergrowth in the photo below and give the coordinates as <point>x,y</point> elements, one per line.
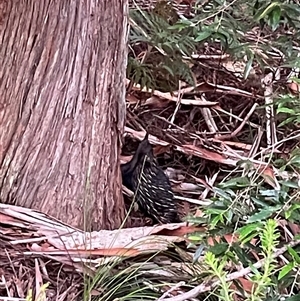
<point>250,216</point>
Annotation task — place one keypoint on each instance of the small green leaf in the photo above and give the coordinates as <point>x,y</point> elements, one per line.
<point>217,219</point>
<point>168,69</point>
<point>290,184</point>
<point>269,193</point>
<point>294,254</point>
<point>243,257</point>
<point>219,248</point>
<point>248,66</point>
<point>285,110</point>
<point>290,211</point>
<point>263,214</point>
<point>295,160</point>
<point>245,231</point>
<point>203,36</point>
<point>258,201</point>
<point>182,24</point>
<point>295,79</point>
<point>224,194</point>
<point>293,298</point>
<point>195,237</point>
<point>199,252</point>
<point>287,121</point>
<point>263,13</point>
<point>285,270</point>
<point>236,182</point>
<point>195,220</point>
<point>275,16</point>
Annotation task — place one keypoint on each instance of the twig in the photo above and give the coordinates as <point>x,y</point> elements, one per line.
<point>169,97</point>
<point>172,289</point>
<point>178,102</point>
<point>256,143</point>
<point>240,127</point>
<point>267,84</point>
<point>236,117</point>
<point>206,113</point>
<point>209,285</point>
<point>11,299</point>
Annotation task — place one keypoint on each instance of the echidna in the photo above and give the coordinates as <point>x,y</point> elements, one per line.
<point>150,185</point>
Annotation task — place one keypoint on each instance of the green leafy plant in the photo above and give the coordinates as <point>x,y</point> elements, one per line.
<point>288,109</point>
<point>116,280</point>
<point>269,240</point>
<point>164,48</point>
<point>216,268</point>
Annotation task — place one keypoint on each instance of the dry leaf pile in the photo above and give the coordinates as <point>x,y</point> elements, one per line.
<point>35,249</point>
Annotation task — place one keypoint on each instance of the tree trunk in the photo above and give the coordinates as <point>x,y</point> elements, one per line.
<point>62,108</point>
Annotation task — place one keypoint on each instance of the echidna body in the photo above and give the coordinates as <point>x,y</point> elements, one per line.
<point>151,186</point>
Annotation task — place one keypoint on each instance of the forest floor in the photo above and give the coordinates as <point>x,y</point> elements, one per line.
<point>201,134</point>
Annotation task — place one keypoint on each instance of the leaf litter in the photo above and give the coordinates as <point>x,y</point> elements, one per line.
<point>198,132</point>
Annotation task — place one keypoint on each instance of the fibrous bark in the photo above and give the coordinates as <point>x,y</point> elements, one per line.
<point>62,108</point>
